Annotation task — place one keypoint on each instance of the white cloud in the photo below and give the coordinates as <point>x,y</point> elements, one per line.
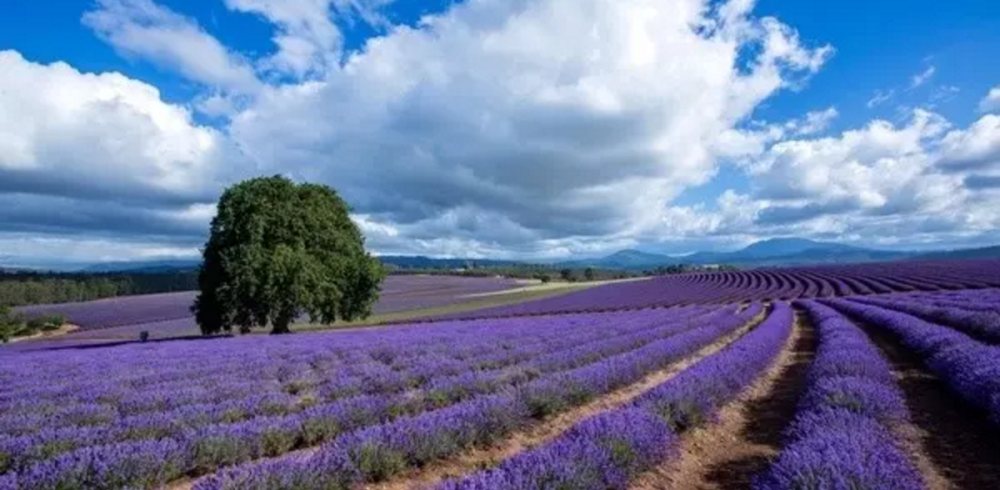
<point>974,148</point>
<point>564,118</point>
<point>991,102</point>
<point>68,137</point>
<point>815,122</point>
<point>880,98</point>
<point>942,94</point>
<point>144,29</point>
<point>499,128</point>
<point>923,77</point>
<point>871,166</point>
<point>881,180</point>
<point>307,39</point>
<point>46,251</point>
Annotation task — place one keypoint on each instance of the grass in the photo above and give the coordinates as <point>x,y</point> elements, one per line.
<point>469,303</point>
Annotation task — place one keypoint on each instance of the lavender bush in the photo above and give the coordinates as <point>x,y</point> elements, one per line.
<point>841,437</point>
<point>969,367</point>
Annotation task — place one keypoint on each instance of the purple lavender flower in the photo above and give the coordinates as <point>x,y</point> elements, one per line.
<point>603,452</point>
<point>842,459</point>
<point>840,438</point>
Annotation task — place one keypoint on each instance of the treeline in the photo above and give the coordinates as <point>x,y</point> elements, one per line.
<point>32,288</point>
<point>13,324</point>
<point>526,271</point>
<point>547,273</point>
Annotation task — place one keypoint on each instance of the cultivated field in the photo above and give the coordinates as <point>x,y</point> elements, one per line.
<point>169,315</point>
<point>882,376</point>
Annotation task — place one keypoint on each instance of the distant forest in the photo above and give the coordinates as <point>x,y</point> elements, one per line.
<point>31,288</point>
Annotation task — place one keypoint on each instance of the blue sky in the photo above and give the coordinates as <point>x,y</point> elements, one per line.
<point>519,128</point>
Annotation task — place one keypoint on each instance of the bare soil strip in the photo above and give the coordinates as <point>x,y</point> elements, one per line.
<point>953,444</point>
<point>728,453</point>
<point>547,430</point>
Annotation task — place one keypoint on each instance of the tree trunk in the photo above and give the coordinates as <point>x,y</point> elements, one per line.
<point>280,327</point>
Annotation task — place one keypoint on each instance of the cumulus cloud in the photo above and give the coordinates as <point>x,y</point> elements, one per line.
<point>497,128</point>
<point>565,118</point>
<point>974,148</point>
<point>991,102</point>
<point>307,39</point>
<point>882,180</point>
<point>101,152</point>
<point>143,29</point>
<point>916,184</point>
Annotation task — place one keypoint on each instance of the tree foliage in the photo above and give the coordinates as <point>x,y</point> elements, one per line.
<point>279,249</point>
<point>15,324</point>
<point>567,275</point>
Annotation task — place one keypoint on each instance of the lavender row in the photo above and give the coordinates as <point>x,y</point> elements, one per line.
<point>982,323</point>
<point>609,450</point>
<point>970,368</point>
<point>381,452</point>
<point>842,435</point>
<point>200,427</point>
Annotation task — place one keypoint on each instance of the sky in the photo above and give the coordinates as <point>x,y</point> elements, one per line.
<point>526,129</point>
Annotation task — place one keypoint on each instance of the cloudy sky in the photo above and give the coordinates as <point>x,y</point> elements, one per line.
<point>531,129</point>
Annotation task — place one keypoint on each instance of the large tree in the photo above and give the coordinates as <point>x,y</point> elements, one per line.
<point>279,249</point>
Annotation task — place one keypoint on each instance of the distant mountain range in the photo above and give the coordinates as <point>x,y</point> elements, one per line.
<point>773,252</point>
<point>149,266</point>
<point>970,253</point>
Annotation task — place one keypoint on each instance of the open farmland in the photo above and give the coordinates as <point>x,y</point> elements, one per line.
<point>877,377</point>
<point>169,315</point>
<point>764,284</point>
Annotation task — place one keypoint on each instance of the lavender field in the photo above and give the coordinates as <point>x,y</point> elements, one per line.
<point>882,376</point>
<point>765,284</point>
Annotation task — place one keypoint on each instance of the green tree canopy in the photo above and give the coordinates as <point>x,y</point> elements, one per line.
<point>279,249</point>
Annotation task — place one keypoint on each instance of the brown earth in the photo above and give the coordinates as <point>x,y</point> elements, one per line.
<point>952,443</point>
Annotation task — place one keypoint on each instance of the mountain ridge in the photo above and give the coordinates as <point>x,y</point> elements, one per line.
<point>789,251</point>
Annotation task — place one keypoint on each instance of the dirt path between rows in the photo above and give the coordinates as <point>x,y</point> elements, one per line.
<point>953,444</point>
<point>728,453</point>
<point>545,431</point>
